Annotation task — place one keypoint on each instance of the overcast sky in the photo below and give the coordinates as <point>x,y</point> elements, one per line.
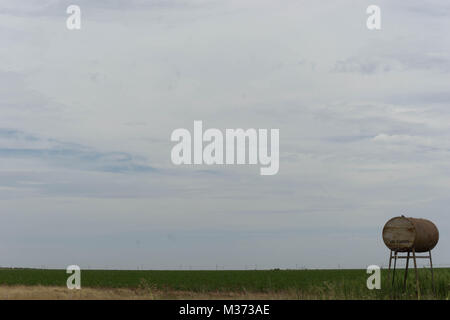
<point>86,118</point>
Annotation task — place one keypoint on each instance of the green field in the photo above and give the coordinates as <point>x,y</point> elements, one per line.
<point>300,284</point>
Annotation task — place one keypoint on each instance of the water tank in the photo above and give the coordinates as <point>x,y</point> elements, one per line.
<point>404,233</point>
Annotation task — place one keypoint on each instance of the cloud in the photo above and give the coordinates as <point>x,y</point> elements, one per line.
<point>51,8</point>
<point>358,65</point>
<point>435,8</point>
<point>86,119</point>
<point>68,155</point>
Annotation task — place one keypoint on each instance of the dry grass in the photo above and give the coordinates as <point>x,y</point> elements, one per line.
<point>21,292</point>
<point>62,293</point>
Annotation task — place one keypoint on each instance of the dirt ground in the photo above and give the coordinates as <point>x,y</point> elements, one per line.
<point>62,293</point>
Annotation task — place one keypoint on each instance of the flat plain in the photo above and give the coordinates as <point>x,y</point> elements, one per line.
<point>221,284</point>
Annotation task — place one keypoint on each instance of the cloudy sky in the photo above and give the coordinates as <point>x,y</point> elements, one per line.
<point>86,118</point>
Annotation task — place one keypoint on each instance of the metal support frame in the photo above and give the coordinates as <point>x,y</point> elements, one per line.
<point>396,256</point>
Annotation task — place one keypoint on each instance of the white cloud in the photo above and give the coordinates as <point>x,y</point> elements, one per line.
<point>363,121</point>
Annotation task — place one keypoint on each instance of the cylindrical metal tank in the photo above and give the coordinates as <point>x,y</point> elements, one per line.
<point>404,234</point>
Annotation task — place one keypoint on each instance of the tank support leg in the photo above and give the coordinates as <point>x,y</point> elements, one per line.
<point>389,269</point>
<point>406,271</point>
<point>395,264</point>
<point>417,274</point>
<point>432,273</point>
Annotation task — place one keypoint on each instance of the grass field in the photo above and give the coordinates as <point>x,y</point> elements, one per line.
<point>265,284</point>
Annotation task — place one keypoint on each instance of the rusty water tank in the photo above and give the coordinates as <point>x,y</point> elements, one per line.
<point>403,234</point>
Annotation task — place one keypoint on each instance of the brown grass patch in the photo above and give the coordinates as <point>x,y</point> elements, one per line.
<point>62,293</point>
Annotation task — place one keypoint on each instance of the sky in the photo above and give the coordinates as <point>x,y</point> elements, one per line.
<point>86,116</point>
